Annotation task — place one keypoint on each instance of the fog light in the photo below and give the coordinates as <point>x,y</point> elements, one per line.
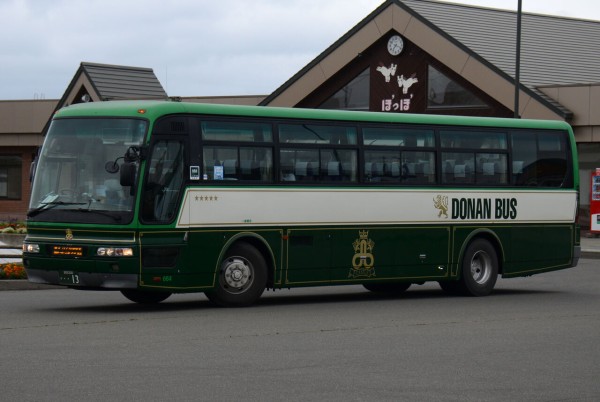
<point>114,252</point>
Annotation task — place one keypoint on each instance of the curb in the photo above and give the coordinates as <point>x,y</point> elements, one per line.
<point>589,254</point>
<point>24,284</point>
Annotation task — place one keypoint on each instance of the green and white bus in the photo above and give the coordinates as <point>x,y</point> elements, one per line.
<point>155,198</point>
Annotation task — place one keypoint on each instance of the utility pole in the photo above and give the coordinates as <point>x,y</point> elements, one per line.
<point>518,60</point>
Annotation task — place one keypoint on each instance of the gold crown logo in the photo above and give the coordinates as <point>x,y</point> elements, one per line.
<point>364,234</point>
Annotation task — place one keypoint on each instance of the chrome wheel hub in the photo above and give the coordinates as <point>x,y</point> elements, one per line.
<point>481,264</point>
<point>237,274</point>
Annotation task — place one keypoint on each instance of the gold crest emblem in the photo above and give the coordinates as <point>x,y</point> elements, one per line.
<point>69,235</point>
<point>363,261</point>
<point>441,203</point>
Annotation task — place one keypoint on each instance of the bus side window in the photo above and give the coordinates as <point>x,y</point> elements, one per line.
<point>383,166</point>
<point>540,159</point>
<point>418,167</point>
<point>491,168</point>
<point>299,164</point>
<point>339,165</point>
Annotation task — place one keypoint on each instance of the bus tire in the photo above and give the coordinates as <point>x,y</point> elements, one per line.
<point>145,297</point>
<point>479,268</point>
<point>242,277</point>
<point>387,288</point>
<point>451,287</point>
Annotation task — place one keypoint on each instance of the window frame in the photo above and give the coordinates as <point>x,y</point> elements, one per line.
<point>8,168</point>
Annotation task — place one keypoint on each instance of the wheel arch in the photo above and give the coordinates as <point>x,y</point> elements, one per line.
<point>258,242</point>
<point>492,238</point>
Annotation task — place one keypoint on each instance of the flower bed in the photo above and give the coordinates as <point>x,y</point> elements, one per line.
<point>12,227</point>
<point>12,271</point>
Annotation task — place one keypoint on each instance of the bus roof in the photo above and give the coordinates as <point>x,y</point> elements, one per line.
<point>155,109</point>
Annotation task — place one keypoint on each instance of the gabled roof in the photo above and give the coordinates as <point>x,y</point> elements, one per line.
<point>121,82</point>
<point>555,50</point>
<point>103,82</point>
<point>109,82</point>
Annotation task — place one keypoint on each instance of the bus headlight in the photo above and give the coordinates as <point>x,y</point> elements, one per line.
<point>31,248</point>
<point>114,252</point>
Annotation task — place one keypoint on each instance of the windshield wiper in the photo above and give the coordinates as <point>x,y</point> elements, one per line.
<point>46,206</point>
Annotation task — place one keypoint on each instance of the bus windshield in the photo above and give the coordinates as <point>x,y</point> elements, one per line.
<point>74,181</point>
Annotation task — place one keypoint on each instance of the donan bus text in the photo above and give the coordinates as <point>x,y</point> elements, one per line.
<point>481,208</point>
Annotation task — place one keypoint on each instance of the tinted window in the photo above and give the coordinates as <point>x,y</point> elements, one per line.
<point>316,134</point>
<point>236,131</point>
<point>398,137</point>
<point>472,139</point>
<point>238,163</point>
<point>163,182</point>
<point>309,165</point>
<point>540,159</point>
<point>353,96</point>
<point>444,92</point>
<point>399,166</point>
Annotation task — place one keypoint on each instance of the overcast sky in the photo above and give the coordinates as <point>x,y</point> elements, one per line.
<point>195,47</point>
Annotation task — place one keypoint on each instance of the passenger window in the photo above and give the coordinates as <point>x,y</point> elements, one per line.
<point>491,169</point>
<point>418,167</point>
<point>236,131</point>
<point>458,167</point>
<point>299,164</point>
<point>473,139</point>
<point>394,167</point>
<point>316,134</point>
<point>383,166</point>
<point>540,159</point>
<point>339,165</point>
<point>309,165</point>
<point>396,136</point>
<point>238,163</point>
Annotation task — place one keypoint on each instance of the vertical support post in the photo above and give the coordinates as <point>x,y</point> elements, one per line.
<point>518,60</point>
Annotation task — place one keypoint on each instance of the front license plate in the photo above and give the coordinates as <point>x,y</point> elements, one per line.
<point>68,278</point>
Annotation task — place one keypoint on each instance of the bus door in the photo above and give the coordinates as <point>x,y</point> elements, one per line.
<point>164,249</point>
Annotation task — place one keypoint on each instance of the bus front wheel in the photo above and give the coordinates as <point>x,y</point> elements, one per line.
<point>479,269</point>
<point>242,277</point>
<point>143,297</point>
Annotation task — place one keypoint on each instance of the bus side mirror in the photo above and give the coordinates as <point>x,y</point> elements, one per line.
<point>32,171</point>
<point>127,177</point>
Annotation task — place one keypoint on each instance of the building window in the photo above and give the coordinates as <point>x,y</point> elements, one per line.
<point>353,96</point>
<point>10,177</point>
<point>446,93</point>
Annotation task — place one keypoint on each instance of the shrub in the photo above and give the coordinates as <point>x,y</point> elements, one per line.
<point>13,227</point>
<point>12,271</point>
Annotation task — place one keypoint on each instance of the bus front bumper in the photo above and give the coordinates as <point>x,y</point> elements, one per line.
<point>83,280</point>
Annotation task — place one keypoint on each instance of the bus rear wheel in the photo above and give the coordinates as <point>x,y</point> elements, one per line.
<point>242,277</point>
<point>479,269</point>
<point>144,297</point>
